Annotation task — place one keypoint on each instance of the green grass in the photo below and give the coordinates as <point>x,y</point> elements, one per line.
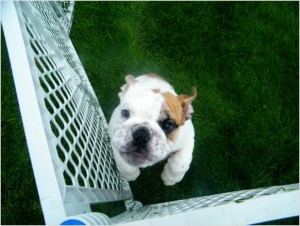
<point>243,57</point>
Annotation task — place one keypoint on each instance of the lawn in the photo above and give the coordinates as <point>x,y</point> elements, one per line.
<point>243,57</point>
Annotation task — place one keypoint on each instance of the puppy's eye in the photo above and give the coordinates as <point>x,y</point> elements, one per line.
<point>168,126</point>
<point>125,113</point>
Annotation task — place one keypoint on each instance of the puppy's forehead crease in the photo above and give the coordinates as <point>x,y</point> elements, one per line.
<point>143,102</point>
<point>173,107</point>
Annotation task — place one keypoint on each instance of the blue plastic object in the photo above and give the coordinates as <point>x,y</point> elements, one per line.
<point>72,222</point>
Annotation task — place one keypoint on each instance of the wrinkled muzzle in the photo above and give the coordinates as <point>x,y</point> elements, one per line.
<point>140,144</point>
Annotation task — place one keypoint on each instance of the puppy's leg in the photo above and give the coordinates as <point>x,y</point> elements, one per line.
<point>177,165</point>
<point>129,172</point>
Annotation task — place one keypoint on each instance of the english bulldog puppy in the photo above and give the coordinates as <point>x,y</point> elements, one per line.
<point>150,124</point>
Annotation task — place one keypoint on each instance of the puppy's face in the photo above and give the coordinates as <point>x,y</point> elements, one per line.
<point>146,123</point>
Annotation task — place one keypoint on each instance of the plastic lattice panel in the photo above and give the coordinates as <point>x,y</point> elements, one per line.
<point>64,12</point>
<point>77,127</point>
<point>186,205</point>
<point>67,7</point>
<point>62,41</point>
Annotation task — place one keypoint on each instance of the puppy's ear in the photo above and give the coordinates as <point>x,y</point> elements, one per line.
<point>185,101</point>
<point>130,79</point>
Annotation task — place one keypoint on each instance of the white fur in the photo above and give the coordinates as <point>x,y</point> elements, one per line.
<point>144,106</point>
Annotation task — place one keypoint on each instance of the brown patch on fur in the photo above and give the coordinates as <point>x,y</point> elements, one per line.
<point>177,108</point>
<point>186,101</point>
<point>173,136</point>
<point>173,108</point>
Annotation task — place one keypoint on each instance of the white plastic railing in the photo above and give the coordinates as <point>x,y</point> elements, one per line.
<point>68,143</point>
<point>64,124</point>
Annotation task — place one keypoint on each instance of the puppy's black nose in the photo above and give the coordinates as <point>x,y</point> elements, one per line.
<point>141,136</point>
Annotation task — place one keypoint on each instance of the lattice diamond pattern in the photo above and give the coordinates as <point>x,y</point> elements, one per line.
<point>191,204</point>
<point>54,28</point>
<point>76,120</point>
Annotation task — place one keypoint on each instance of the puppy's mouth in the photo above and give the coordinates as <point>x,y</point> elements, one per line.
<point>136,155</point>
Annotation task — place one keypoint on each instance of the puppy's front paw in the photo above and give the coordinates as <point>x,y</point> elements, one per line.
<point>132,175</point>
<point>168,181</point>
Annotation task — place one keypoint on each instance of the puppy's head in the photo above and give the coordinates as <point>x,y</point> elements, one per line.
<point>147,121</point>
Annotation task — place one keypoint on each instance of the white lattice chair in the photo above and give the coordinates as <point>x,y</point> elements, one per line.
<point>67,139</point>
